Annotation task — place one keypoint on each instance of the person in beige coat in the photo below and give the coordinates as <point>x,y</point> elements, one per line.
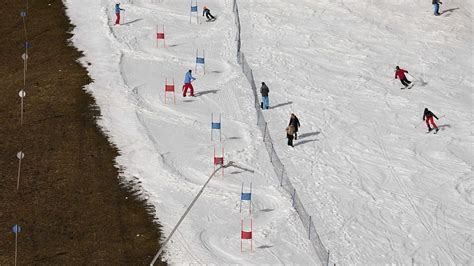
<point>290,132</point>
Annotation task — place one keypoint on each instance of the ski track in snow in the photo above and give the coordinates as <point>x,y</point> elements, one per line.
<point>379,189</point>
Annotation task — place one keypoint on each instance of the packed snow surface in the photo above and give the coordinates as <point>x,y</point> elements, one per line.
<point>379,189</point>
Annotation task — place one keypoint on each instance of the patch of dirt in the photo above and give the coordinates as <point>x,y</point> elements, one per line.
<point>70,205</point>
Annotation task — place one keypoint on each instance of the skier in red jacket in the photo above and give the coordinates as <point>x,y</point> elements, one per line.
<point>400,73</point>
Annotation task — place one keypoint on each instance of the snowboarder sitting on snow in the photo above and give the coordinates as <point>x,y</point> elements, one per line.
<point>188,78</point>
<point>295,123</point>
<point>264,91</point>
<point>117,13</point>
<point>436,4</point>
<point>400,73</point>
<point>428,117</point>
<point>207,12</point>
<point>290,130</point>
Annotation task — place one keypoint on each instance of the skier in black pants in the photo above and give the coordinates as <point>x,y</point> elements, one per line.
<point>295,123</point>
<point>400,73</point>
<point>207,12</point>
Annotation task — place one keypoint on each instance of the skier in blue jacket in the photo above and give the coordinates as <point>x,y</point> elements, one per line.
<point>188,78</point>
<point>117,13</point>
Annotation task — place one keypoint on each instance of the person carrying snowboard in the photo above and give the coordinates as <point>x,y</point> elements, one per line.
<point>207,12</point>
<point>290,131</point>
<point>428,117</point>
<point>117,13</point>
<point>295,123</point>
<point>436,4</point>
<point>264,91</point>
<point>400,74</point>
<point>188,78</point>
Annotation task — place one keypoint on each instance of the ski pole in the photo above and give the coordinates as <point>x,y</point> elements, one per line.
<point>412,76</point>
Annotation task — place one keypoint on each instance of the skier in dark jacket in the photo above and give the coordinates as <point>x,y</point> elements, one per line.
<point>264,90</point>
<point>400,73</point>
<point>428,117</point>
<point>207,12</point>
<point>295,123</point>
<point>436,4</point>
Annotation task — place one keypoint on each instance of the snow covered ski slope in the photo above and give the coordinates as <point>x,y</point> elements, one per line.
<point>167,147</point>
<point>380,190</point>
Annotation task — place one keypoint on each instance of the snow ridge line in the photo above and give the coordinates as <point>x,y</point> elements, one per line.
<point>278,166</point>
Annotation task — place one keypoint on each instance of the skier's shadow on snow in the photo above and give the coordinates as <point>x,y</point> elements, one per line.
<point>420,82</point>
<point>443,127</point>
<point>280,105</point>
<point>305,135</point>
<point>449,10</point>
<point>304,142</point>
<point>206,92</point>
<point>133,21</point>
